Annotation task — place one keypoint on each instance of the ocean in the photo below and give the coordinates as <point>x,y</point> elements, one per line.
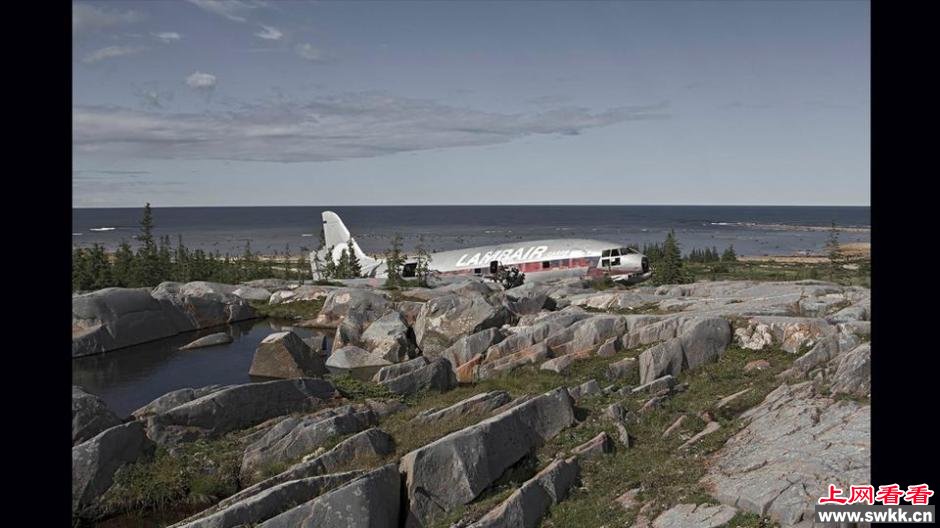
<point>753,230</point>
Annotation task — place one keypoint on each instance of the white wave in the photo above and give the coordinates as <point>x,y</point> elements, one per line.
<point>306,234</point>
<point>76,234</point>
<point>102,229</point>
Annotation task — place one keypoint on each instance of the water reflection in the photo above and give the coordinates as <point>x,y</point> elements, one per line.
<point>130,378</point>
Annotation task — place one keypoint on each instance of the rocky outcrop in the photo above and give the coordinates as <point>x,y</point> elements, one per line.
<point>795,444</point>
<point>252,293</point>
<point>436,375</point>
<point>343,301</point>
<point>698,342</point>
<point>470,346</point>
<point>270,502</point>
<point>356,362</point>
<point>90,415</point>
<point>369,445</point>
<point>445,319</point>
<point>789,333</point>
<point>393,371</point>
<point>695,516</point>
<point>218,338</point>
<point>390,338</point>
<point>853,372</point>
<point>95,461</point>
<point>293,437</point>
<point>115,318</point>
<point>371,500</point>
<point>477,404</point>
<point>455,469</point>
<point>173,399</point>
<point>528,504</point>
<point>237,407</point>
<point>285,355</point>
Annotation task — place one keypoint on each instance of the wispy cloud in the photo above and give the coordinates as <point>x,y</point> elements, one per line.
<point>234,10</point>
<point>201,81</point>
<point>167,36</point>
<point>308,52</point>
<point>359,125</point>
<point>269,33</point>
<point>87,18</point>
<point>111,52</point>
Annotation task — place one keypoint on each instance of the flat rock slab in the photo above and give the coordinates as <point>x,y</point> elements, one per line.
<point>356,362</point>
<point>528,504</point>
<point>476,404</point>
<point>370,501</point>
<point>695,516</point>
<point>598,445</point>
<point>95,461</point>
<point>436,375</point>
<point>237,407</point>
<point>455,469</point>
<point>218,338</point>
<point>795,444</point>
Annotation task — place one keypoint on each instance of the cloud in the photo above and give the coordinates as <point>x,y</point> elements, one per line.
<point>360,125</point>
<point>306,51</point>
<point>111,52</point>
<point>87,18</point>
<point>79,173</point>
<point>201,81</point>
<point>269,33</point>
<point>234,10</point>
<point>167,36</point>
<point>151,96</point>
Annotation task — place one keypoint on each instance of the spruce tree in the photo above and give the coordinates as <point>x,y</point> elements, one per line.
<point>394,260</point>
<point>342,265</point>
<point>669,270</point>
<point>81,279</point>
<point>423,264</point>
<point>354,268</point>
<point>148,265</point>
<point>123,269</point>
<point>99,268</point>
<point>729,255</point>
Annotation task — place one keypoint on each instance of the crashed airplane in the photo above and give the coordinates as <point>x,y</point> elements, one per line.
<point>535,260</point>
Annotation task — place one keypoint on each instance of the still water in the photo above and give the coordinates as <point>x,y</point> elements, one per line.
<point>129,378</point>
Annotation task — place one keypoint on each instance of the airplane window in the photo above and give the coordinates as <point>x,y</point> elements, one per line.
<point>615,262</point>
<point>605,253</point>
<point>477,271</point>
<point>627,251</point>
<point>546,264</point>
<point>409,269</point>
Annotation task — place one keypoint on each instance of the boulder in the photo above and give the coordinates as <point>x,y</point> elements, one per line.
<point>695,516</point>
<point>409,311</point>
<point>90,415</point>
<point>237,407</point>
<point>438,476</point>
<point>528,504</point>
<point>465,348</point>
<point>559,365</point>
<point>437,375</point>
<point>371,500</point>
<point>252,293</point>
<point>294,437</point>
<point>477,404</point>
<point>356,362</point>
<point>621,369</point>
<point>393,371</point>
<point>390,338</point>
<point>204,304</point>
<point>535,354</point>
<point>95,461</point>
<point>218,338</point>
<point>598,445</point>
<point>267,503</point>
<point>587,389</point>
<point>371,444</point>
<point>659,360</point>
<point>442,321</point>
<point>342,301</point>
<point>609,348</point>
<point>710,428</point>
<point>791,333</point>
<point>853,372</point>
<point>659,384</point>
<point>173,399</point>
<point>703,340</point>
<point>285,355</point>
<point>317,342</point>
<point>795,443</point>
<point>115,318</point>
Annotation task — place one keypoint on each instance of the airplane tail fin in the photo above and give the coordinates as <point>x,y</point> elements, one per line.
<point>337,238</point>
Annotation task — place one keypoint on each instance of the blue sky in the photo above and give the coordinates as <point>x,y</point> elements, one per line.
<point>244,102</point>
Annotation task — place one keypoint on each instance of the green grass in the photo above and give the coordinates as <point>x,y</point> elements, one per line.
<point>199,474</point>
<point>296,310</point>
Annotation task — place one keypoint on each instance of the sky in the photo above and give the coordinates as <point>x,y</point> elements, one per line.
<point>248,102</point>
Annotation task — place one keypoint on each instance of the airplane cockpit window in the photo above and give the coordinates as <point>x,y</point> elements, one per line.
<point>628,251</point>
<point>408,270</point>
<point>605,253</point>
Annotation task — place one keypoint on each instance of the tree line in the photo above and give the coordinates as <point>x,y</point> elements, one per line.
<point>154,261</point>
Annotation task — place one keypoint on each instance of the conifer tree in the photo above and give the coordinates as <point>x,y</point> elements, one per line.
<point>423,264</point>
<point>729,255</point>
<point>394,260</point>
<point>354,268</point>
<point>99,268</point>
<point>669,270</point>
<point>342,265</point>
<point>123,269</point>
<point>834,251</point>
